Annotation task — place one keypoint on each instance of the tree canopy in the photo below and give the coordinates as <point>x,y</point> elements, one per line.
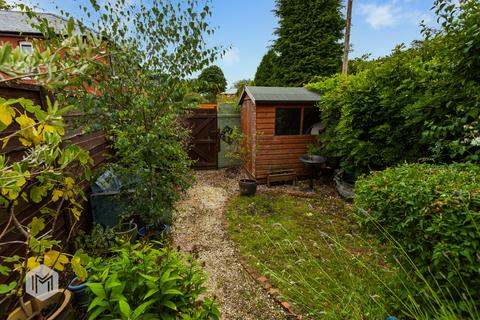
<point>307,43</point>
<point>267,70</point>
<point>416,105</point>
<point>212,82</point>
<point>241,84</point>
<point>4,5</point>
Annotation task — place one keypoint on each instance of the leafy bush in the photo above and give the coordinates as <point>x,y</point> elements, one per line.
<point>142,282</point>
<point>47,179</point>
<point>156,49</point>
<point>97,242</point>
<point>433,213</point>
<point>420,104</point>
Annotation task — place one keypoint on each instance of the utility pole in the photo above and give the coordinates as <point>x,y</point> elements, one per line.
<point>346,49</point>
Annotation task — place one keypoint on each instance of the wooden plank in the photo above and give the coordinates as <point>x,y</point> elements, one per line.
<point>94,142</point>
<point>279,140</point>
<point>293,146</point>
<point>204,144</point>
<point>271,165</point>
<point>263,120</point>
<point>268,152</point>
<point>280,157</point>
<point>265,132</point>
<point>273,161</point>
<point>265,126</point>
<point>263,109</point>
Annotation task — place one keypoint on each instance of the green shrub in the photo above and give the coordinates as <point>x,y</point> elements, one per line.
<point>142,282</point>
<point>433,213</point>
<point>366,124</point>
<point>420,104</point>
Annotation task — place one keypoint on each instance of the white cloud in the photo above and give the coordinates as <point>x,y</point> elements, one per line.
<point>379,16</point>
<point>394,13</point>
<point>231,56</point>
<point>415,17</point>
<point>33,4</point>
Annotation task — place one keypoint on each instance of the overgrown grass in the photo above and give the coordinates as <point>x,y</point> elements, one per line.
<point>314,253</point>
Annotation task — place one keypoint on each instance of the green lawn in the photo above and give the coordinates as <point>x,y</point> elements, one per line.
<point>312,251</point>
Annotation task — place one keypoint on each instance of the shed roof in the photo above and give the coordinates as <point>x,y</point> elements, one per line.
<point>279,94</point>
<point>17,22</point>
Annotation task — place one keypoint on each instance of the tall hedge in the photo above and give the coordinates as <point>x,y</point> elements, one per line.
<point>307,44</point>
<point>418,104</point>
<point>433,211</point>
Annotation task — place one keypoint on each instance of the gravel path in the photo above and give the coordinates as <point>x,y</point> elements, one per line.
<point>200,228</point>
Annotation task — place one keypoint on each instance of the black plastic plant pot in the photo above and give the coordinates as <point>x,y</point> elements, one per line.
<point>248,187</point>
<point>81,293</point>
<point>126,231</point>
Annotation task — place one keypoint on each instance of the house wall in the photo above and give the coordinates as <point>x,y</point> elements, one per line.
<point>277,152</point>
<point>13,39</point>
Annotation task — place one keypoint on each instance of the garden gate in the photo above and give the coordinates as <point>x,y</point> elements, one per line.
<point>204,144</point>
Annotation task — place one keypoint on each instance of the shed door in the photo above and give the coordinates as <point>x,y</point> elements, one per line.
<point>204,145</point>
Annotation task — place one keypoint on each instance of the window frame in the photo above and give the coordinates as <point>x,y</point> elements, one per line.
<point>25,43</point>
<point>302,113</point>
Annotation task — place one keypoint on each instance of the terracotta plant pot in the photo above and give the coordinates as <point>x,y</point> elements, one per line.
<point>248,187</point>
<point>64,311</point>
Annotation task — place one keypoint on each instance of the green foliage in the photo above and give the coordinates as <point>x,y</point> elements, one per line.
<point>212,82</point>
<point>132,86</point>
<point>267,73</point>
<point>193,98</point>
<point>46,174</point>
<point>50,172</point>
<point>241,84</point>
<point>141,282</point>
<point>157,47</point>
<point>367,124</point>
<point>307,43</point>
<point>69,59</point>
<point>241,148</point>
<point>433,214</point>
<point>4,5</point>
<point>420,104</point>
<point>97,242</point>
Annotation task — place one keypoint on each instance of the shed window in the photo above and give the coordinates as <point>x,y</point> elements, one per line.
<point>295,120</point>
<point>26,47</point>
<point>311,116</point>
<point>287,121</point>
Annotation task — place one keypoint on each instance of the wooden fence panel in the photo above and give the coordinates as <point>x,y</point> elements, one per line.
<point>95,143</point>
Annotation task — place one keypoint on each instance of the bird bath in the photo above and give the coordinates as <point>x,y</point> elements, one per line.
<point>312,161</point>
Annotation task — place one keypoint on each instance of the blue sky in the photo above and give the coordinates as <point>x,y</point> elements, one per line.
<point>247,26</point>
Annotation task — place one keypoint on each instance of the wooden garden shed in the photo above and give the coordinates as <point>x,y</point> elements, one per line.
<point>279,123</point>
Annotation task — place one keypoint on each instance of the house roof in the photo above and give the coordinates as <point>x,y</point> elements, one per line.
<point>17,22</point>
<point>279,94</point>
